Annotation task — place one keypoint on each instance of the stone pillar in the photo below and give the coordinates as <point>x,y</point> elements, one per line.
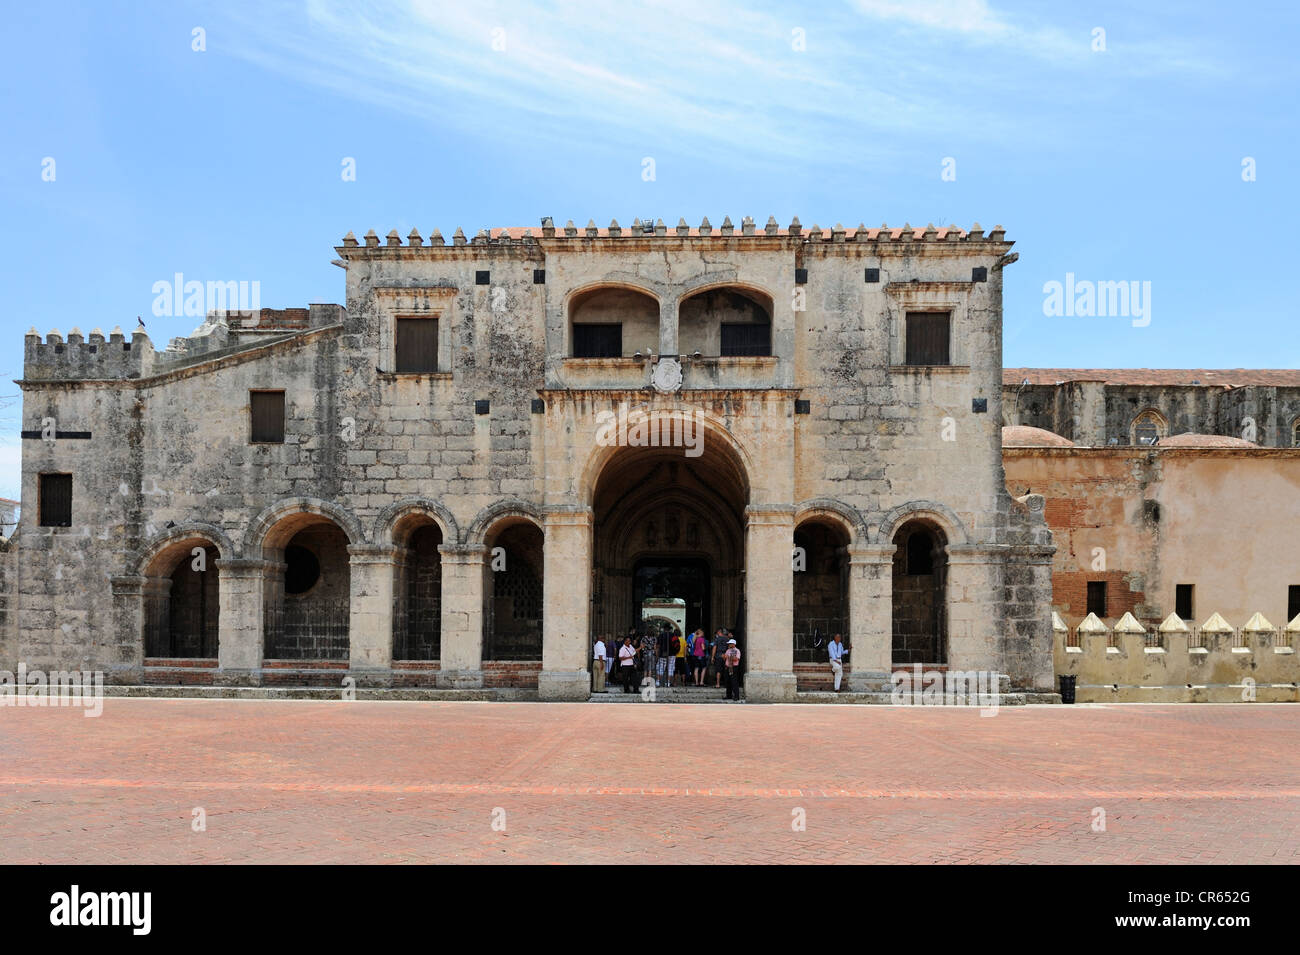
<point>128,614</point>
<point>370,622</point>
<point>769,604</point>
<point>566,607</point>
<point>240,639</point>
<point>871,617</point>
<point>975,615</point>
<point>461,663</point>
<point>667,329</point>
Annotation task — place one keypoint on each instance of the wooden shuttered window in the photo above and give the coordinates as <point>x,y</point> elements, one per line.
<point>266,409</point>
<point>55,500</point>
<point>598,340</point>
<point>417,346</point>
<point>1097,598</point>
<point>928,338</point>
<point>740,339</point>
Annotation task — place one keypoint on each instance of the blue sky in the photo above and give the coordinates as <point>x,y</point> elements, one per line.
<point>1122,164</point>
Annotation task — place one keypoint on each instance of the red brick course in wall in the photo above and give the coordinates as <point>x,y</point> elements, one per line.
<point>511,673</point>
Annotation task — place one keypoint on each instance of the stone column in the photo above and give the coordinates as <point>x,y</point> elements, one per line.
<point>128,614</point>
<point>461,663</point>
<point>769,604</point>
<point>871,617</point>
<point>974,612</point>
<point>566,607</point>
<point>370,622</point>
<point>240,639</point>
<point>667,328</point>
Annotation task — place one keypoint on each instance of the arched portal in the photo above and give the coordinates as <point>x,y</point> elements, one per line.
<point>417,589</point>
<point>308,593</point>
<point>182,601</point>
<point>920,618</point>
<point>821,587</point>
<point>669,524</point>
<point>512,617</point>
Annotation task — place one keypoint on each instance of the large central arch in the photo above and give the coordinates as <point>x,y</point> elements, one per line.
<point>669,521</point>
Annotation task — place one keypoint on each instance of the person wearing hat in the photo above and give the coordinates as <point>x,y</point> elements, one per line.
<point>731,660</point>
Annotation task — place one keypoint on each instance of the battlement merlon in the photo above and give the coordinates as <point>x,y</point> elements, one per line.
<point>881,241</point>
<point>96,357</point>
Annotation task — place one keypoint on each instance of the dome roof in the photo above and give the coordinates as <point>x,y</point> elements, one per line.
<point>1023,436</point>
<point>1191,440</point>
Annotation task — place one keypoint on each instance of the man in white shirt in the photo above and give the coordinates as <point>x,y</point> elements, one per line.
<point>598,667</point>
<point>838,652</point>
<point>627,665</point>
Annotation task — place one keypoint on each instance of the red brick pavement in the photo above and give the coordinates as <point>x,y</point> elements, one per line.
<point>309,782</point>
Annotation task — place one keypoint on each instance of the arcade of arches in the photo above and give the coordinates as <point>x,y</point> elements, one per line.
<point>663,529</point>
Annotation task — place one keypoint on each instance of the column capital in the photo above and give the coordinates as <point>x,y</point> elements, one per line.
<point>871,553</point>
<point>769,514</point>
<point>245,566</point>
<point>567,515</point>
<point>463,553</point>
<point>128,585</point>
<point>976,553</point>
<point>371,554</point>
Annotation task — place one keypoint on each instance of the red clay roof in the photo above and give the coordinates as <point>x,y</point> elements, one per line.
<point>1218,377</point>
<point>1023,436</point>
<point>1191,440</point>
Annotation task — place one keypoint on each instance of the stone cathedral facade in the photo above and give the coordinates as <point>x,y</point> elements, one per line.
<point>502,447</point>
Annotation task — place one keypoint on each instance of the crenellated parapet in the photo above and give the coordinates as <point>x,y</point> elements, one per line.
<point>87,356</point>
<point>882,239</point>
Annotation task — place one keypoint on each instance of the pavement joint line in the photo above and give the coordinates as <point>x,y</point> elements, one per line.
<point>723,793</point>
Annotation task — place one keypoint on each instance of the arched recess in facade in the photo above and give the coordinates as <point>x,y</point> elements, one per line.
<point>513,576</point>
<point>824,532</point>
<point>416,528</point>
<point>182,592</point>
<point>731,320</point>
<point>611,320</point>
<point>669,521</point>
<point>921,532</point>
<point>307,589</point>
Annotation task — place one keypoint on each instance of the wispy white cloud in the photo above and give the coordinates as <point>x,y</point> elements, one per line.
<point>698,75</point>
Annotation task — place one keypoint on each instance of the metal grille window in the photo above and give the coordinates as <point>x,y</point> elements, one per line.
<point>928,338</point>
<point>1183,601</point>
<point>417,346</point>
<point>56,500</point>
<point>746,339</point>
<point>597,340</point>
<point>1097,598</point>
<point>266,409</point>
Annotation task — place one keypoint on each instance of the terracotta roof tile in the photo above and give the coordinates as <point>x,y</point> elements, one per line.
<point>1217,377</point>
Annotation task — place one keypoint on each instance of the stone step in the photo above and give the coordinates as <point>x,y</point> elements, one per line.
<point>665,695</point>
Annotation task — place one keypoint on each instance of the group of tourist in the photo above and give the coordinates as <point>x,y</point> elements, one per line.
<point>665,657</point>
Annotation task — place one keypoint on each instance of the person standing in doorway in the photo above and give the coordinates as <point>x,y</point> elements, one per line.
<point>698,644</point>
<point>663,649</point>
<point>627,665</point>
<point>648,653</point>
<point>681,656</point>
<point>838,652</point>
<point>716,652</point>
<point>598,666</point>
<point>731,660</point>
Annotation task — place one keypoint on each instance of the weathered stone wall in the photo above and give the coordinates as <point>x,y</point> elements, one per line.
<point>882,442</point>
<point>1147,519</point>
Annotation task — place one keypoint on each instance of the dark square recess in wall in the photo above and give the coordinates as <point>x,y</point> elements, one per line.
<point>539,276</point>
<point>800,276</point>
<point>872,275</point>
<point>482,277</point>
<point>802,406</point>
<point>979,274</point>
<point>482,406</point>
<point>539,406</point>
<point>979,405</point>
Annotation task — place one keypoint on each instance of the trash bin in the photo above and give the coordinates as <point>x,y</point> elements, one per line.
<point>1067,688</point>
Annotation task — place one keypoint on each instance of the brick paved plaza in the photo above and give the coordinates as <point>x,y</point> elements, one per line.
<point>309,782</point>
